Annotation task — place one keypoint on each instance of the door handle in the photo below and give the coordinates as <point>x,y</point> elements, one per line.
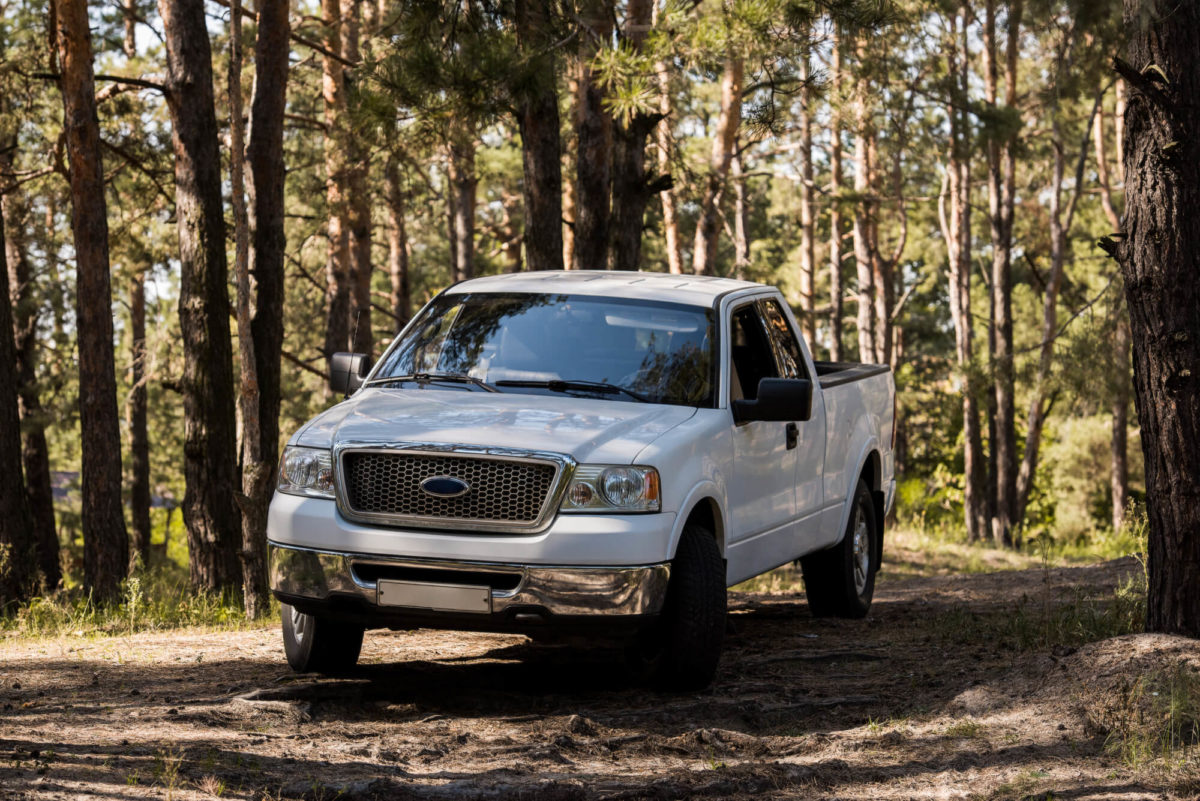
<point>793,435</point>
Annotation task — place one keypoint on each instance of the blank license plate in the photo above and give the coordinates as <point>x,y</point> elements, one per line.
<point>438,597</point>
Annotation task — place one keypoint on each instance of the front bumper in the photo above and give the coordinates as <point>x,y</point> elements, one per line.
<point>520,597</point>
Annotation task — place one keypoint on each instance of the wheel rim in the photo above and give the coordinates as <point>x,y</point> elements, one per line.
<point>862,550</point>
<point>299,624</point>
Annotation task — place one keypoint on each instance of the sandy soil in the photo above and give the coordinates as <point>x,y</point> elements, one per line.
<point>920,700</point>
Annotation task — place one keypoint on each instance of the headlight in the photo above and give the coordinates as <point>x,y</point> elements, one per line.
<point>306,471</point>
<point>598,488</point>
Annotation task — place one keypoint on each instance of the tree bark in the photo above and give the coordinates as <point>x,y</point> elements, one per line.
<point>264,153</point>
<point>35,455</point>
<point>863,252</point>
<point>708,226</point>
<point>18,550</point>
<point>105,542</point>
<point>665,141</point>
<point>1001,198</point>
<point>954,212</point>
<point>463,184</point>
<point>741,216</point>
<point>400,299</point>
<point>594,137</point>
<point>808,258</point>
<point>258,468</point>
<point>358,205</point>
<point>835,190</point>
<point>338,260</point>
<point>1119,406</point>
<point>541,148</point>
<point>135,413</point>
<point>210,450</point>
<point>1158,259</point>
<point>631,189</point>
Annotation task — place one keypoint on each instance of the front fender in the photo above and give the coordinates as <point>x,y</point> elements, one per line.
<point>701,493</point>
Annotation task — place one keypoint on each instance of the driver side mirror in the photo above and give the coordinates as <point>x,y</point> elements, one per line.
<point>348,371</point>
<point>779,399</point>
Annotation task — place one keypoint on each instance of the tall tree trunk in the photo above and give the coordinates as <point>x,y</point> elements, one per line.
<point>18,550</point>
<point>264,153</point>
<point>664,141</point>
<point>883,269</point>
<point>358,198</point>
<point>1158,259</point>
<point>135,413</point>
<point>210,450</point>
<point>741,216</point>
<point>631,190</point>
<point>954,211</point>
<point>35,455</point>
<point>256,596</point>
<point>463,184</point>
<point>835,190</point>
<point>808,258</point>
<point>400,298</point>
<point>541,148</point>
<point>1001,197</point>
<point>863,255</point>
<point>594,136</point>
<point>105,543</point>
<point>708,226</point>
<point>1119,472</point>
<point>336,150</point>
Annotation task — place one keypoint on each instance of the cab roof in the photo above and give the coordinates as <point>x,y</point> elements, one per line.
<point>697,290</point>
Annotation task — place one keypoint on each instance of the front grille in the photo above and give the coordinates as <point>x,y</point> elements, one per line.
<point>502,491</point>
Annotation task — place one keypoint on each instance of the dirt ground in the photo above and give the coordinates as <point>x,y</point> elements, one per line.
<point>920,700</point>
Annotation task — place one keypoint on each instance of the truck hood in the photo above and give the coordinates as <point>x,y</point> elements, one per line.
<point>588,429</point>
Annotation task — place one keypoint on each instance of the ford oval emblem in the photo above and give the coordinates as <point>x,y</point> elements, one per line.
<point>445,487</point>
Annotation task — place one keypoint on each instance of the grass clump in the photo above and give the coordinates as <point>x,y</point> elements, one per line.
<point>1151,718</point>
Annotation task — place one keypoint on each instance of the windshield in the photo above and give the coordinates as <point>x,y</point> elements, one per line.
<point>538,343</point>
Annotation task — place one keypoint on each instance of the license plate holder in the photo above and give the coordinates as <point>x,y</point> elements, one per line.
<point>435,597</point>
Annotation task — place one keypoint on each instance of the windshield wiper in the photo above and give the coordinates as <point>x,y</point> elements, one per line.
<point>426,378</point>
<point>558,385</point>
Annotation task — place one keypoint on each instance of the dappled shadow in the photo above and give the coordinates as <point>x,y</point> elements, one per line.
<point>444,715</point>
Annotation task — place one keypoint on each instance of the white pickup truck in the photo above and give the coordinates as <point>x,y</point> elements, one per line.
<point>582,453</point>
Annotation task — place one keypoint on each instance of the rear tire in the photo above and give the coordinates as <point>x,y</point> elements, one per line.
<point>840,581</point>
<point>682,651</point>
<point>315,644</point>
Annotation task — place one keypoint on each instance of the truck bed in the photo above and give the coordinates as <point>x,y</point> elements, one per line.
<point>834,374</point>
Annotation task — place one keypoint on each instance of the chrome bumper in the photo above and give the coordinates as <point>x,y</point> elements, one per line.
<point>561,591</point>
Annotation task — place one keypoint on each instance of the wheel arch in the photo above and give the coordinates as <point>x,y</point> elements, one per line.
<point>703,508</point>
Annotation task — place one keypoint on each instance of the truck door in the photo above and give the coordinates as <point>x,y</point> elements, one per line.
<point>809,435</point>
<point>762,492</point>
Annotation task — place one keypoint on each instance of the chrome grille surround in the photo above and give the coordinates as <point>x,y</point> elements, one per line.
<point>421,460</point>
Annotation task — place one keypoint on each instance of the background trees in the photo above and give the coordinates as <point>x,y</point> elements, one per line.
<point>924,182</point>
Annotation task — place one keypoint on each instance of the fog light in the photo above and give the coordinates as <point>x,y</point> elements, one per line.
<point>580,494</point>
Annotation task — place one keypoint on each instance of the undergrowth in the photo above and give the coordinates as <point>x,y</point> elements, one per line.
<point>157,598</point>
<point>1067,619</point>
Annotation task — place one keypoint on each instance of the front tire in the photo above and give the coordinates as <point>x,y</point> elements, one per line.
<point>840,582</point>
<point>315,644</point>
<point>682,651</point>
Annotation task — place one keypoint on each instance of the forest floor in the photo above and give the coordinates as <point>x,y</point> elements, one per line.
<point>956,686</point>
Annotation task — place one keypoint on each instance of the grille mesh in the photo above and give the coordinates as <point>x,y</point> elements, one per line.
<point>501,491</point>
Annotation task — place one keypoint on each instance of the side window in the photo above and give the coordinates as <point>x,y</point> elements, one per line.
<point>750,352</point>
<point>783,341</point>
